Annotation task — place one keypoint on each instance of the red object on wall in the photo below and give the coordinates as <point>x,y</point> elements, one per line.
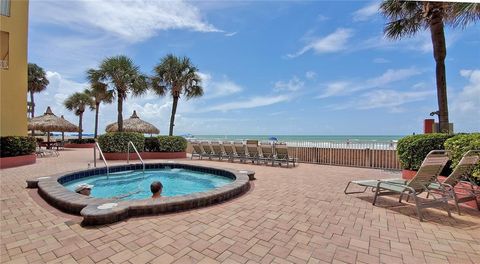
<point>428,126</point>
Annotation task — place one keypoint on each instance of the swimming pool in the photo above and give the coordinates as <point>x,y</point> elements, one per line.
<point>134,185</point>
<point>186,186</point>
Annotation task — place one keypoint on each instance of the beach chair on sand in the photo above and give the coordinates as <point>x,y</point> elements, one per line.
<point>253,153</point>
<point>240,151</point>
<point>217,150</point>
<point>267,153</point>
<point>281,155</point>
<point>197,151</point>
<point>454,184</point>
<point>229,151</point>
<point>431,167</point>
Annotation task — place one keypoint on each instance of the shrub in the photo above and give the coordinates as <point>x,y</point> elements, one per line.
<point>118,141</point>
<point>412,150</point>
<point>165,144</point>
<point>462,143</point>
<point>12,146</point>
<point>82,141</point>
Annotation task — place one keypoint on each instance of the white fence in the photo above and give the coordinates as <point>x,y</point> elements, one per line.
<point>380,155</point>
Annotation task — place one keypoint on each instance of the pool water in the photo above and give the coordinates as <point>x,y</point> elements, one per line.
<point>134,185</point>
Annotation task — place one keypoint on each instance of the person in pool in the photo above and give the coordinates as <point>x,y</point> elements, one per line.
<point>84,189</point>
<point>156,188</point>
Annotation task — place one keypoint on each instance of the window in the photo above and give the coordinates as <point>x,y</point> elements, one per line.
<point>4,46</point>
<point>5,7</point>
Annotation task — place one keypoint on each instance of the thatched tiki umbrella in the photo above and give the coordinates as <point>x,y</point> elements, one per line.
<point>49,122</point>
<point>134,124</point>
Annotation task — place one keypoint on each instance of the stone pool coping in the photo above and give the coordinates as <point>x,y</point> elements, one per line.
<point>51,189</point>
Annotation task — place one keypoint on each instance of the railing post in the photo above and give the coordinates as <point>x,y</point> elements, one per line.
<point>128,152</point>
<point>95,156</point>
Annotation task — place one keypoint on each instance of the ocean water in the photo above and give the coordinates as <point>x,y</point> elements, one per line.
<point>303,138</point>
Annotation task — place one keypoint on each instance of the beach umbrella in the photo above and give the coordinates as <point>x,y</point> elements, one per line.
<point>134,124</point>
<point>273,139</point>
<point>49,122</point>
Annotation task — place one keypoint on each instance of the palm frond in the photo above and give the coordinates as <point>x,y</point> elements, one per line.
<point>462,14</point>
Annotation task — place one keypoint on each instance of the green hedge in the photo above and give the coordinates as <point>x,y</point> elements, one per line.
<point>82,141</point>
<point>412,150</point>
<point>118,141</point>
<point>165,144</point>
<point>462,143</point>
<point>17,146</point>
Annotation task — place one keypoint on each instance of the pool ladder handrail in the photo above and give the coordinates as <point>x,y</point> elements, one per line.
<point>136,151</point>
<point>101,155</point>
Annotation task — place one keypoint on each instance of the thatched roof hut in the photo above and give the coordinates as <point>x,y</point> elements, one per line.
<point>134,124</point>
<point>49,122</point>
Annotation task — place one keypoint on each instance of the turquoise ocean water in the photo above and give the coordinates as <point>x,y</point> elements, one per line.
<point>303,138</point>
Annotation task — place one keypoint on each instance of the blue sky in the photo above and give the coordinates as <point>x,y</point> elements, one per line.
<point>287,67</point>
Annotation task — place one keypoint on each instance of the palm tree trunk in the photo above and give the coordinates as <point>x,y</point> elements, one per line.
<point>120,116</point>
<point>32,104</point>
<point>439,53</point>
<point>32,110</point>
<point>97,106</point>
<point>172,118</point>
<point>80,121</point>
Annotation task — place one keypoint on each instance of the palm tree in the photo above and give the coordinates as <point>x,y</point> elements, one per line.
<point>98,91</point>
<point>37,82</point>
<point>179,76</point>
<point>406,18</point>
<point>122,76</point>
<point>77,103</point>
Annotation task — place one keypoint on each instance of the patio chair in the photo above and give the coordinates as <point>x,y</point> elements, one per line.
<point>253,153</point>
<point>453,182</point>
<point>207,149</point>
<point>217,150</point>
<point>267,153</point>
<point>281,155</point>
<point>197,151</point>
<point>229,151</point>
<point>431,167</point>
<point>39,152</point>
<point>240,151</point>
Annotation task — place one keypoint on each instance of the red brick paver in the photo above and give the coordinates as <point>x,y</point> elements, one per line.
<point>297,215</point>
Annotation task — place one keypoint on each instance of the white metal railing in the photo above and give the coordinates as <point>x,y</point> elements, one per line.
<point>101,155</point>
<point>136,151</point>
<point>381,155</point>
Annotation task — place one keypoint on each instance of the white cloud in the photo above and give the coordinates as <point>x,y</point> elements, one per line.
<point>230,34</point>
<point>61,88</point>
<point>311,75</point>
<point>218,88</point>
<point>130,20</point>
<point>334,42</point>
<point>253,102</point>
<point>421,42</point>
<point>335,89</point>
<point>346,87</point>
<point>392,76</point>
<point>380,60</point>
<point>468,100</point>
<point>366,12</point>
<point>391,99</point>
<point>292,85</point>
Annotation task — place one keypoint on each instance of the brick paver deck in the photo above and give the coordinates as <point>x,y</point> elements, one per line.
<point>297,215</point>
